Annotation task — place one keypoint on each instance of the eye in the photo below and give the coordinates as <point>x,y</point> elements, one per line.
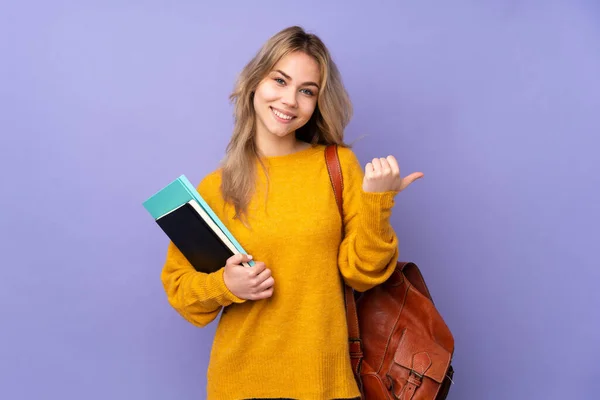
<point>280,81</point>
<point>307,92</point>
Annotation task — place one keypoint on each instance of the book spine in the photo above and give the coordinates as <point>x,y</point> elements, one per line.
<point>194,193</point>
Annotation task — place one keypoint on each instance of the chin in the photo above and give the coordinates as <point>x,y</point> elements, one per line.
<point>281,133</point>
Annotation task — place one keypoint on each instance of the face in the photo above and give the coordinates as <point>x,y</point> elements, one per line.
<point>285,100</point>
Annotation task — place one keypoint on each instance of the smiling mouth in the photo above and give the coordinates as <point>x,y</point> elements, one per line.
<point>282,116</point>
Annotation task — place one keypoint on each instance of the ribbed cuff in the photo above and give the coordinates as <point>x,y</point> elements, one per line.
<point>219,290</point>
<point>375,212</point>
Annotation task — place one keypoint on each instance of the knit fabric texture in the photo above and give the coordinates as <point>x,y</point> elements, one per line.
<point>295,343</point>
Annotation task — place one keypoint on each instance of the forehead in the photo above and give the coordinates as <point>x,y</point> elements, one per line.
<point>299,66</point>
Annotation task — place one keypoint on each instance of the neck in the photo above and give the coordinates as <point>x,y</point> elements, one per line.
<point>275,146</point>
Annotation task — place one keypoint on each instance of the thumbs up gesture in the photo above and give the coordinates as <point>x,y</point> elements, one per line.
<point>383,175</point>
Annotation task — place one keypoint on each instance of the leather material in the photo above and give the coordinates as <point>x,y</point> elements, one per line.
<point>400,346</point>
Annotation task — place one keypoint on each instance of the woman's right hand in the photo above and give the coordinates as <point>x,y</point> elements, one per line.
<point>254,283</point>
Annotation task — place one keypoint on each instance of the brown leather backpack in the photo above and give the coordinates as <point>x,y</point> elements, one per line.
<point>400,346</point>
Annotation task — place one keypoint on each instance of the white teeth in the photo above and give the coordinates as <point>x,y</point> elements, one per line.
<point>280,115</point>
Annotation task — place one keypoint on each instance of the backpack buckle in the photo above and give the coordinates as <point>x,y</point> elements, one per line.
<point>355,346</point>
<point>418,375</point>
<point>415,378</point>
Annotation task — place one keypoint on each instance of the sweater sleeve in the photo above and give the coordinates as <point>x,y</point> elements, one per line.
<point>198,297</point>
<point>369,250</point>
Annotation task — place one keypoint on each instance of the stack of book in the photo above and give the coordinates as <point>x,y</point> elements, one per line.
<point>192,226</point>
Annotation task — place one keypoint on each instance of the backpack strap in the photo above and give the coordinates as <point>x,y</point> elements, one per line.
<point>337,182</point>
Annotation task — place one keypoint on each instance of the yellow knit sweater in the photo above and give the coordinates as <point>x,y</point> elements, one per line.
<point>294,344</point>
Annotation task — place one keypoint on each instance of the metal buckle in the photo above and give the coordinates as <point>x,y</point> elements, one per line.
<point>412,371</point>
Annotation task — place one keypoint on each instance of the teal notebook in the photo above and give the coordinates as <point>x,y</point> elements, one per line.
<point>175,195</point>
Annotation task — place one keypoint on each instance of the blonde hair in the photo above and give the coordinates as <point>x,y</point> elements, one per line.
<point>326,126</point>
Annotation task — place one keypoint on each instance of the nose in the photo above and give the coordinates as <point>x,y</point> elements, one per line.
<point>289,97</point>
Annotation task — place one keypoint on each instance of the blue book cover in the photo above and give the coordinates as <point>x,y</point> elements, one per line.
<point>178,193</point>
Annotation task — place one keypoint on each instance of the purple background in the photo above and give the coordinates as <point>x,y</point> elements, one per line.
<point>101,104</point>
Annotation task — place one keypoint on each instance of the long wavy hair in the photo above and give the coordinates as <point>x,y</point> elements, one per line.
<point>326,126</point>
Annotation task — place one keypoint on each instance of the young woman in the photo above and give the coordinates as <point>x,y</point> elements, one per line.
<point>283,332</point>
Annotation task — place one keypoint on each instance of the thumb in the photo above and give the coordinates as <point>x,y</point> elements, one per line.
<point>410,179</point>
<point>413,177</point>
<point>237,259</point>
<point>245,258</point>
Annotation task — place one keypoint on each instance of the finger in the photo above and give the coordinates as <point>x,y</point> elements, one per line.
<point>394,165</point>
<point>257,269</point>
<point>385,166</point>
<point>266,284</point>
<point>369,169</point>
<point>376,167</point>
<point>265,294</point>
<point>263,276</point>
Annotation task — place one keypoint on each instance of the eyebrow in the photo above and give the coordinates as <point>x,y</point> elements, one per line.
<point>286,76</point>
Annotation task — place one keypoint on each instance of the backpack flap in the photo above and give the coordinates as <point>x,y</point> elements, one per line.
<point>418,361</point>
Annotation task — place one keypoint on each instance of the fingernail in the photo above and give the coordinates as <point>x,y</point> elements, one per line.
<point>249,256</point>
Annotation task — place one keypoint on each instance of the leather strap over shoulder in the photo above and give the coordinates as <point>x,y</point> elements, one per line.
<point>335,174</point>
<point>337,182</point>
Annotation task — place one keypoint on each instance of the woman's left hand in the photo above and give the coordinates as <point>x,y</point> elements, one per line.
<point>383,175</point>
